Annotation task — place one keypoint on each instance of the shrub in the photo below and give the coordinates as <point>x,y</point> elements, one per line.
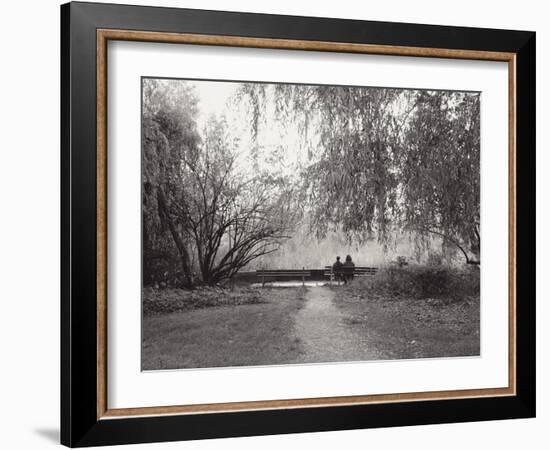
<point>164,301</point>
<point>434,259</point>
<point>401,261</point>
<point>422,281</point>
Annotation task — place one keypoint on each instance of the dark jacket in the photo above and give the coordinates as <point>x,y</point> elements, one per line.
<point>348,269</point>
<point>337,269</point>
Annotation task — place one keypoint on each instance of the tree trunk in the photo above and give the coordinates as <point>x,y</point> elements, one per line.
<point>184,255</point>
<point>467,257</point>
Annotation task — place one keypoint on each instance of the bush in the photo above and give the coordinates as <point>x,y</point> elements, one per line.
<point>401,261</point>
<point>164,301</point>
<point>426,281</point>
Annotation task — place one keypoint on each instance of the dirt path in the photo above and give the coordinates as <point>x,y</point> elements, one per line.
<point>324,333</point>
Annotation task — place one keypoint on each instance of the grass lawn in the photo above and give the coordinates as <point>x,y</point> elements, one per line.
<point>413,328</point>
<point>259,333</point>
<point>254,326</point>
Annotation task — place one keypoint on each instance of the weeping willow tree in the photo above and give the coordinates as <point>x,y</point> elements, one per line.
<point>382,160</point>
<point>169,136</point>
<point>439,169</point>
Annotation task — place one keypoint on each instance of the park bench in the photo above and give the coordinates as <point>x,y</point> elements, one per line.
<point>292,274</point>
<point>358,271</point>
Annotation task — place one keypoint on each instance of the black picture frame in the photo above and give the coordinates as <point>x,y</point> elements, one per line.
<point>80,425</point>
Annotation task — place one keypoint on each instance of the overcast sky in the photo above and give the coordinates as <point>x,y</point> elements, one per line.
<point>213,97</point>
<point>273,136</point>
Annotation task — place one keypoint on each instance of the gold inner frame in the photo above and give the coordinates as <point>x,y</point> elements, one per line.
<point>104,35</point>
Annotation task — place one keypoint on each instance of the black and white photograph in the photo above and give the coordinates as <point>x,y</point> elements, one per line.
<point>299,224</point>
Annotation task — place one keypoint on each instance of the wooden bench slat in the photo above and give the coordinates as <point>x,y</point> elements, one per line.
<point>282,273</point>
<point>284,270</point>
<point>263,274</point>
<point>267,274</point>
<point>358,271</point>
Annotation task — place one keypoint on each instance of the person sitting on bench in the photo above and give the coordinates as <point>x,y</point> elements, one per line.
<point>348,268</point>
<point>337,269</point>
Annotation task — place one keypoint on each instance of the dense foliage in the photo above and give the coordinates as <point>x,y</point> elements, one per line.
<point>385,161</point>
<point>376,163</point>
<point>203,219</point>
<point>423,282</point>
